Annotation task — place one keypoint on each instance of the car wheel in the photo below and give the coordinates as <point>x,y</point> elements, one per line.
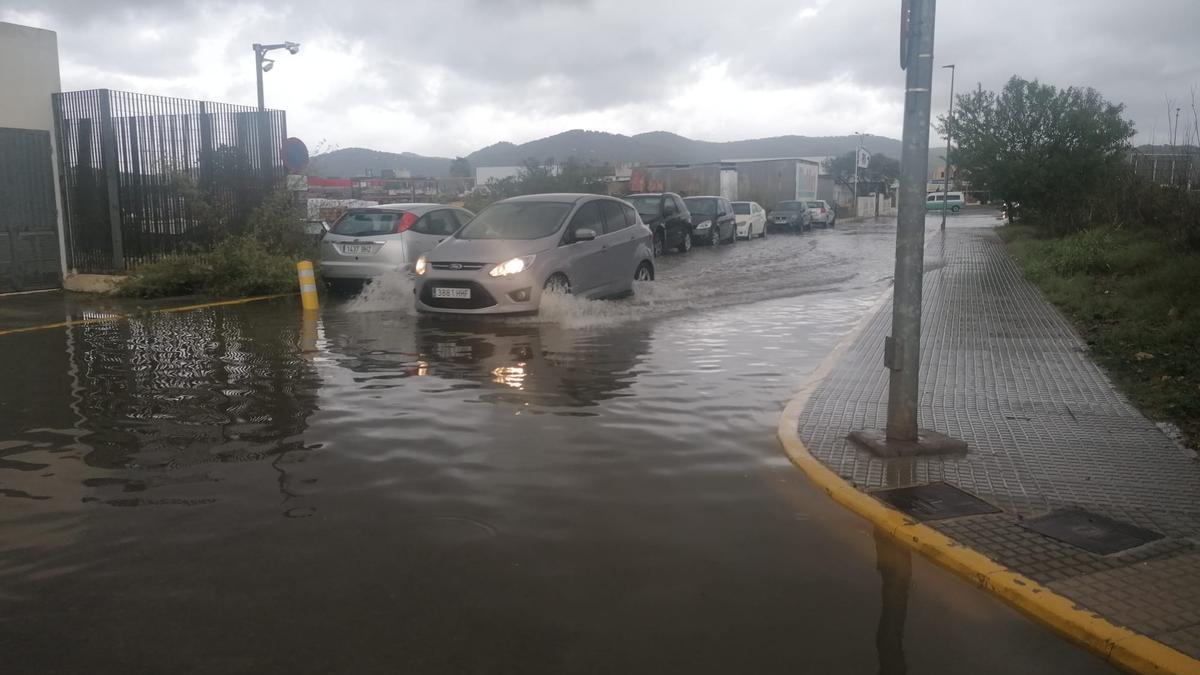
<point>954,209</point>
<point>660,243</point>
<point>686,244</point>
<point>733,236</point>
<point>558,283</point>
<point>644,272</point>
<point>714,236</point>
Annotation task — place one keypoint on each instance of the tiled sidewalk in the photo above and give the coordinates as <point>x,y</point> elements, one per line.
<point>1003,370</point>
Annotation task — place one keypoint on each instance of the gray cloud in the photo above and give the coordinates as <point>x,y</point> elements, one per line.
<point>548,59</point>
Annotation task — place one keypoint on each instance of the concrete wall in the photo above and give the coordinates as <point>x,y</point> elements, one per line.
<point>28,77</point>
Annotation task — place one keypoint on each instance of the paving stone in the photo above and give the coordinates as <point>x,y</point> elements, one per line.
<point>1002,370</point>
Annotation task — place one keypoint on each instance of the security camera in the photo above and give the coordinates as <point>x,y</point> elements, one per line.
<point>292,47</point>
<point>268,64</point>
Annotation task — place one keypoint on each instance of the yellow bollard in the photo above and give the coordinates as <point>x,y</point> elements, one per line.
<point>308,284</point>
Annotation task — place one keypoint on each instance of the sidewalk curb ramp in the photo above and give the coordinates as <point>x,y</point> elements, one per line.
<point>1117,645</point>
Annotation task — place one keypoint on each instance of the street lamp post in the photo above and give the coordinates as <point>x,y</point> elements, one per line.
<point>857,152</point>
<point>261,65</point>
<point>949,138</point>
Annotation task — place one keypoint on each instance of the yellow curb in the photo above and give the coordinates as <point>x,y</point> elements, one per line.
<point>163,310</point>
<point>1124,648</point>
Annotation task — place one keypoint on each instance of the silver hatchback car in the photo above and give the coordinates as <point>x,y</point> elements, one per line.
<point>501,262</point>
<point>369,241</point>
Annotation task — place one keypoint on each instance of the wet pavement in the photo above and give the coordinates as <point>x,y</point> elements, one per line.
<point>594,490</point>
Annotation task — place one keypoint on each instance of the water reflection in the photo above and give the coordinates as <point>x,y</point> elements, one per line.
<point>894,563</point>
<point>154,401</point>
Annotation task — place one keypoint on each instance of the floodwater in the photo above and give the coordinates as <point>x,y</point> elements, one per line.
<point>594,490</point>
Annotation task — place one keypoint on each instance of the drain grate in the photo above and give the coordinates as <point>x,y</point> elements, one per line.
<point>1089,531</point>
<point>935,501</point>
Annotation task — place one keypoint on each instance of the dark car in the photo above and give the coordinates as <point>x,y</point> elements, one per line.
<point>667,217</point>
<point>713,219</point>
<point>790,215</point>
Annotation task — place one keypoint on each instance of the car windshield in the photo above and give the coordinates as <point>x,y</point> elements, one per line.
<point>789,206</point>
<point>700,206</point>
<point>647,205</point>
<point>366,223</point>
<point>516,220</point>
<point>741,208</point>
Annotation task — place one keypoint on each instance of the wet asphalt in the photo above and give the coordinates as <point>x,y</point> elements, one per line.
<point>597,489</point>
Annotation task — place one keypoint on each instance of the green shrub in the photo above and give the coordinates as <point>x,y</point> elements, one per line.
<point>239,266</point>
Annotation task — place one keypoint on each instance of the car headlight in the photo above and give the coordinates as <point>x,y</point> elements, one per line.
<point>421,266</point>
<point>704,225</point>
<point>509,267</point>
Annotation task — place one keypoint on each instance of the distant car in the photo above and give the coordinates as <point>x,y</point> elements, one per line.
<point>712,219</point>
<point>751,219</point>
<point>667,217</point>
<point>953,201</point>
<point>790,215</point>
<point>820,212</point>
<point>516,249</point>
<point>369,241</point>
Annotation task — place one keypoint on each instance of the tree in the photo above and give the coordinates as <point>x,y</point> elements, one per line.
<point>1049,150</point>
<point>880,169</point>
<point>460,167</point>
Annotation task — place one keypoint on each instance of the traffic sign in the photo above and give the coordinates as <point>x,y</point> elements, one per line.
<point>294,155</point>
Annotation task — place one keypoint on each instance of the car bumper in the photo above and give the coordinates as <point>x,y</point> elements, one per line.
<point>517,294</point>
<point>333,269</point>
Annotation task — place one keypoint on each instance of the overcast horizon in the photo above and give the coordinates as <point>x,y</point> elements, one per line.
<point>451,77</point>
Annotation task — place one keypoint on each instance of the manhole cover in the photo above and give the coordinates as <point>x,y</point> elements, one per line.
<point>1089,531</point>
<point>935,501</point>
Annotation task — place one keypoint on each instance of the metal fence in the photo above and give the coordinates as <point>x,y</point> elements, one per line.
<point>148,176</point>
<point>1178,169</point>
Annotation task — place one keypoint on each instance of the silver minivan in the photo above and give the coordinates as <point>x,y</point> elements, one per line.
<point>369,241</point>
<point>502,261</point>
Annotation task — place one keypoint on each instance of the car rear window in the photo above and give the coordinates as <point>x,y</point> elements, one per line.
<point>741,208</point>
<point>516,220</point>
<point>647,205</point>
<point>789,206</point>
<point>815,205</point>
<point>366,223</point>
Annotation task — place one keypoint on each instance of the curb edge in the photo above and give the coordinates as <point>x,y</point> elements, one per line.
<point>1119,646</point>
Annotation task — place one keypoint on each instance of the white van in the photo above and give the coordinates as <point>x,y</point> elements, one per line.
<point>951,200</point>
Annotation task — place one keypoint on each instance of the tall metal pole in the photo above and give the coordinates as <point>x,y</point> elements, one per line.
<point>904,346</point>
<point>258,72</point>
<point>949,140</point>
<point>857,151</point>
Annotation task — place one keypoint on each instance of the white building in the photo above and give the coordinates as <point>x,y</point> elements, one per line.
<point>31,222</point>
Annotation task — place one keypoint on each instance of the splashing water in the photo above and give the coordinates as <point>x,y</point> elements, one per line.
<point>389,292</point>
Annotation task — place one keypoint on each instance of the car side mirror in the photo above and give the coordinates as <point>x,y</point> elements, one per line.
<point>326,226</point>
<point>585,234</point>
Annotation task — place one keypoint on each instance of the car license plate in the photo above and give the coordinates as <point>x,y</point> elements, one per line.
<point>453,293</point>
<point>356,249</point>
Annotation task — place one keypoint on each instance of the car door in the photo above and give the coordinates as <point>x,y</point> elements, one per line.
<point>728,221</point>
<point>760,216</point>
<point>620,242</point>
<point>429,231</point>
<point>584,260</point>
<point>680,220</point>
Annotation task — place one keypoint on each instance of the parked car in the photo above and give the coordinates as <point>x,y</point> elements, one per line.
<point>668,218</point>
<point>819,211</point>
<point>713,220</point>
<point>516,249</point>
<point>952,200</point>
<point>751,219</point>
<point>790,215</point>
<point>369,241</point>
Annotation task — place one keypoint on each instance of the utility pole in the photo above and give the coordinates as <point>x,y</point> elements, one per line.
<point>949,140</point>
<point>261,65</point>
<point>902,349</point>
<point>857,153</point>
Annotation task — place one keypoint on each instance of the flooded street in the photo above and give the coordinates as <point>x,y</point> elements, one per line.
<point>597,489</point>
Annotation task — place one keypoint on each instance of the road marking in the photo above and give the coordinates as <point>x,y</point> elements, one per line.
<point>1118,645</point>
<point>162,310</point>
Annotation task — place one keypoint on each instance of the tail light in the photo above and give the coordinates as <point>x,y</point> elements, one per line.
<point>822,210</point>
<point>404,222</point>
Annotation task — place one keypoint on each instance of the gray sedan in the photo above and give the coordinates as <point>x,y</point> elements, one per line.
<point>367,242</point>
<point>501,262</point>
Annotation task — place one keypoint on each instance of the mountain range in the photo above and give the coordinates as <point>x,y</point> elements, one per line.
<point>656,147</point>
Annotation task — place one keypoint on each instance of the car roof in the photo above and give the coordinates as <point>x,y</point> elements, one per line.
<point>703,197</point>
<point>562,197</point>
<point>416,207</point>
<point>649,194</point>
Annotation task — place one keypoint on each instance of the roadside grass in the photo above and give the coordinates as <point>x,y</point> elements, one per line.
<point>1136,302</point>
<point>237,267</point>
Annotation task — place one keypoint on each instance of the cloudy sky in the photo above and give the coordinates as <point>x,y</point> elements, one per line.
<point>445,77</point>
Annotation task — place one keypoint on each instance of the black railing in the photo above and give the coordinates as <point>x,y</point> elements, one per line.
<point>143,176</point>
